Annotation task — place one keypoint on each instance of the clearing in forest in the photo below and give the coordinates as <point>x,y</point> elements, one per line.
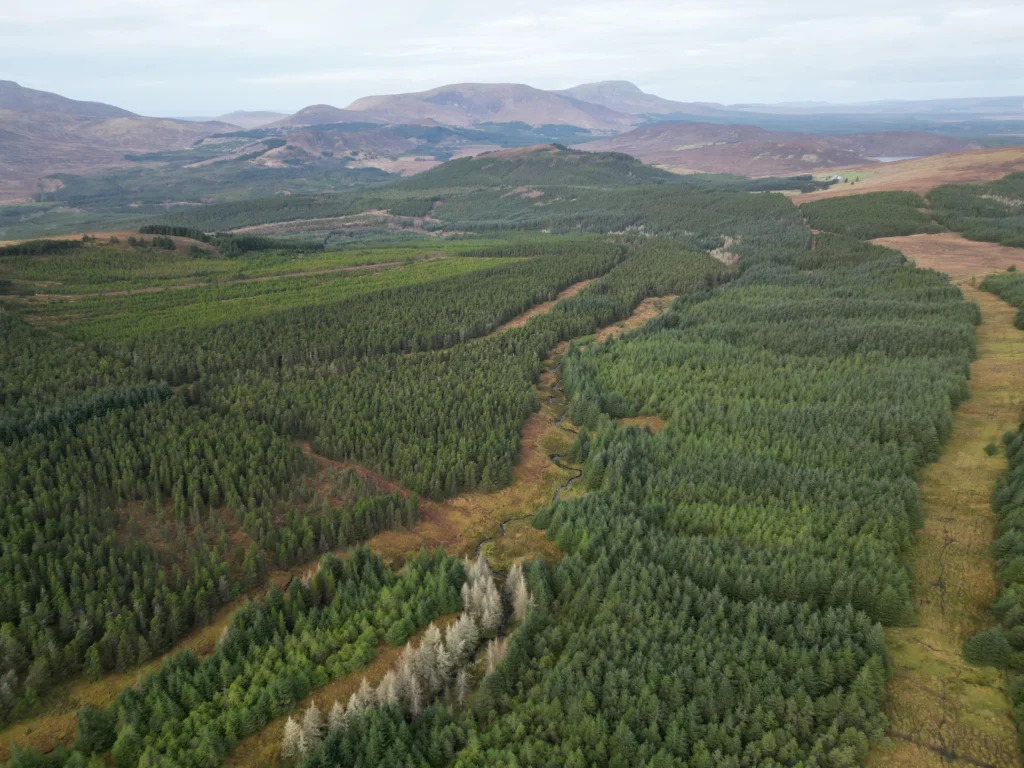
<point>954,255</point>
<point>944,711</point>
<point>544,307</point>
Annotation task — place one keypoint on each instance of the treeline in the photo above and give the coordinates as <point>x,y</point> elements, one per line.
<point>40,247</point>
<point>1008,286</point>
<point>750,547</point>
<point>876,214</point>
<point>415,317</point>
<point>1003,645</point>
<point>276,651</point>
<point>448,420</point>
<point>991,212</point>
<point>557,167</point>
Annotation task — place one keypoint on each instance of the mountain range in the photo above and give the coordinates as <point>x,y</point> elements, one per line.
<point>42,133</point>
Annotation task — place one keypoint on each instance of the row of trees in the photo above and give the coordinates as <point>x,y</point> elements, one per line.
<point>991,212</point>
<point>750,547</point>
<point>191,712</point>
<point>429,314</point>
<point>1003,645</point>
<point>449,420</point>
<point>876,214</point>
<point>1009,286</point>
<point>439,667</point>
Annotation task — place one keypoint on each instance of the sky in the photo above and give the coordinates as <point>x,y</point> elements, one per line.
<point>209,57</point>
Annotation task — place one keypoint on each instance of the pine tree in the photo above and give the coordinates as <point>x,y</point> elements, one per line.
<point>293,741</point>
<point>337,717</point>
<point>313,725</point>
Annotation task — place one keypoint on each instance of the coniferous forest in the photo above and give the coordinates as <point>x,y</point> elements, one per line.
<point>192,423</point>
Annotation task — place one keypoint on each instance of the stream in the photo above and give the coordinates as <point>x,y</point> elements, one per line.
<point>554,458</point>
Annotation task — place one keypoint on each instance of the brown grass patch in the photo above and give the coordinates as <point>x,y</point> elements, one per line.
<point>952,254</point>
<point>545,307</point>
<point>648,309</point>
<point>653,423</point>
<point>922,173</point>
<point>944,711</point>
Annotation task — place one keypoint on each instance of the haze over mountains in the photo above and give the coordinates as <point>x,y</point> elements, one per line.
<point>43,133</point>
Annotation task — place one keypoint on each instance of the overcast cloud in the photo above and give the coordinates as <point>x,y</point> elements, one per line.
<point>206,57</point>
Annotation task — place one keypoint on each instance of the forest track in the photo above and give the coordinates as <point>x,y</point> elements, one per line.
<point>544,307</point>
<point>944,711</point>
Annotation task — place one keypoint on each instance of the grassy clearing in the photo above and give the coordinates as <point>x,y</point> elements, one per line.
<point>943,710</point>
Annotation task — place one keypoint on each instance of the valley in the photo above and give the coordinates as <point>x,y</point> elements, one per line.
<point>545,455</point>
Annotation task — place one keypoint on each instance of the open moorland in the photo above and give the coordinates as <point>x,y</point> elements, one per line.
<point>541,457</point>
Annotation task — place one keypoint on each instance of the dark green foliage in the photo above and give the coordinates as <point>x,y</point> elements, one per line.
<point>722,579</point>
<point>277,651</point>
<point>988,648</point>
<point>96,730</point>
<point>1003,645</point>
<point>876,214</point>
<point>557,166</point>
<point>236,245</point>
<point>163,229</point>
<point>442,421</point>
<point>1009,286</point>
<point>40,247</point>
<point>991,212</point>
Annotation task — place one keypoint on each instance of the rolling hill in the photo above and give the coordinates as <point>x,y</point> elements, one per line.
<point>469,104</point>
<point>325,114</point>
<point>751,151</point>
<point>250,120</point>
<point>17,98</point>
<point>539,166</point>
<point>43,133</point>
<point>623,96</point>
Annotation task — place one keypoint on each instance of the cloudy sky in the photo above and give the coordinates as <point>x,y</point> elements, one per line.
<point>206,57</point>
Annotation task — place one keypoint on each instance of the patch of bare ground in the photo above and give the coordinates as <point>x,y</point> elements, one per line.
<point>545,307</point>
<point>653,424</point>
<point>944,711</point>
<point>922,173</point>
<point>957,257</point>
<point>648,309</point>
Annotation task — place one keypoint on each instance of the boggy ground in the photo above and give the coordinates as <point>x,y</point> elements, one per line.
<point>944,711</point>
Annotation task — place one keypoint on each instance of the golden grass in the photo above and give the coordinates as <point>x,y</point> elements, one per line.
<point>544,307</point>
<point>944,711</point>
<point>953,254</point>
<point>922,173</point>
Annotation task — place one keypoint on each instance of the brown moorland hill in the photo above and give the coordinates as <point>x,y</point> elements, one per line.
<point>468,104</point>
<point>745,150</point>
<point>43,133</point>
<point>922,173</point>
<point>751,151</point>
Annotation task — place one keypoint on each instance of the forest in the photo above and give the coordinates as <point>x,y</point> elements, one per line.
<point>235,424</point>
